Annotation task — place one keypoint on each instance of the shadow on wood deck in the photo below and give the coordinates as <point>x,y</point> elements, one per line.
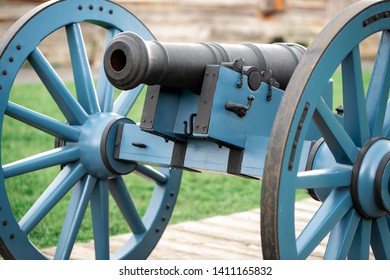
<point>231,237</point>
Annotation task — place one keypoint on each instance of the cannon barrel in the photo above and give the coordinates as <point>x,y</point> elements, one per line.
<point>130,61</point>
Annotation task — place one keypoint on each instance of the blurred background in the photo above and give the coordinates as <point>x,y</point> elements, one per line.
<point>224,21</point>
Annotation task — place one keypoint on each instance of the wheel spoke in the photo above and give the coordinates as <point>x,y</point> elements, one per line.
<point>378,90</point>
<point>324,178</point>
<point>40,161</point>
<point>355,111</point>
<point>105,90</point>
<point>152,174</point>
<point>342,235</point>
<point>380,238</point>
<point>85,88</point>
<point>65,180</point>
<point>337,139</point>
<point>126,205</point>
<point>386,124</point>
<point>42,122</point>
<point>126,100</point>
<point>68,105</point>
<point>388,221</point>
<point>328,215</point>
<point>100,216</point>
<point>76,210</point>
<point>360,248</point>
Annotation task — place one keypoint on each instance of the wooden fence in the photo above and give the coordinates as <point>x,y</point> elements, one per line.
<point>226,21</point>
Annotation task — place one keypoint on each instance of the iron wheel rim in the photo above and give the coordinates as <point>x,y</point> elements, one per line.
<point>303,98</point>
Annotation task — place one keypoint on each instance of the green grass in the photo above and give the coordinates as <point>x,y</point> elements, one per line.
<point>201,195</point>
<point>337,86</point>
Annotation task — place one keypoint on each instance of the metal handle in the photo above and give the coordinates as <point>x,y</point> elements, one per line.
<point>239,109</point>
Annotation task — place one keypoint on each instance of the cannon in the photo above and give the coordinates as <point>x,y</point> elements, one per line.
<point>252,110</point>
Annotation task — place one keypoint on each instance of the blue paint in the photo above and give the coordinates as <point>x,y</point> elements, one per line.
<point>74,216</point>
<point>71,109</point>
<point>42,122</point>
<point>85,87</point>
<point>367,173</point>
<point>226,126</point>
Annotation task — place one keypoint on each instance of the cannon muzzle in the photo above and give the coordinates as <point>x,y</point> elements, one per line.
<point>130,61</point>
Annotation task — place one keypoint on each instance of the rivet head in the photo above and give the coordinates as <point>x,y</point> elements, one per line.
<point>4,222</point>
<point>11,236</point>
<point>80,7</point>
<point>110,12</point>
<point>18,47</point>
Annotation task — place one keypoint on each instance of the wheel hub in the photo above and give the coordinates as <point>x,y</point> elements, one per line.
<point>319,157</point>
<point>97,146</point>
<point>370,184</point>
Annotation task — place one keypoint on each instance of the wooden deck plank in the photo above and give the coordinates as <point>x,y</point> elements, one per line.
<point>229,237</point>
<point>199,241</point>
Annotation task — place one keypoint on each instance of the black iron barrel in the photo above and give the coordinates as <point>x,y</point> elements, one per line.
<point>130,61</point>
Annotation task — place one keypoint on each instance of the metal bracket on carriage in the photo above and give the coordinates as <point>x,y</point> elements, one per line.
<point>255,77</point>
<point>266,77</point>
<point>252,72</point>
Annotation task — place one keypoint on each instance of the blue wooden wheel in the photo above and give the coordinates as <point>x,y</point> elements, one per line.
<point>83,156</point>
<point>350,167</point>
